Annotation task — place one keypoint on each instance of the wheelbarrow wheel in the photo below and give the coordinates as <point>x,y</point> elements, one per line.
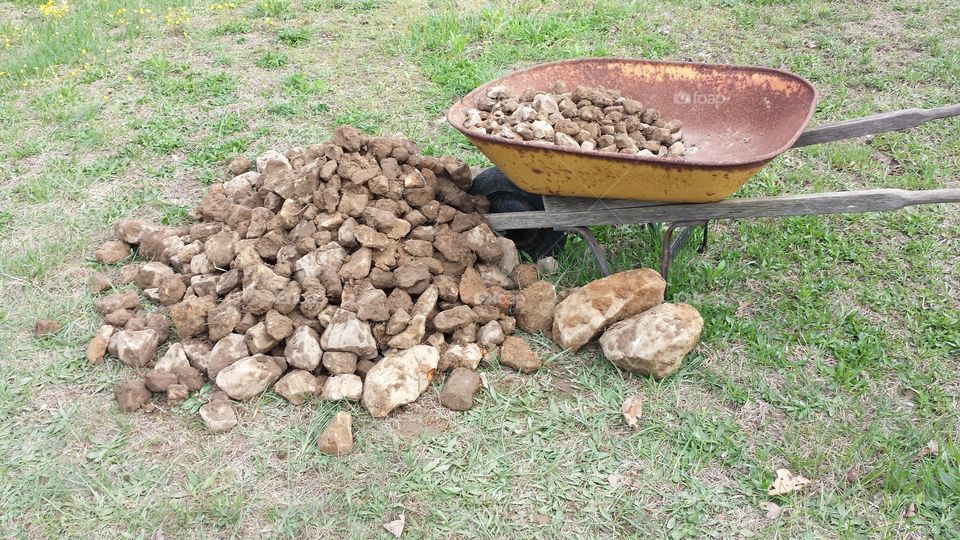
<point>506,197</point>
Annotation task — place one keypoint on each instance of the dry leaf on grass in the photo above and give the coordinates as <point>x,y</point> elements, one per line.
<point>931,449</point>
<point>773,510</point>
<point>395,527</point>
<point>632,409</point>
<point>787,482</point>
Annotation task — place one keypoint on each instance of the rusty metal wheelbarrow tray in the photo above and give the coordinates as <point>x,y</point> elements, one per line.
<point>735,120</point>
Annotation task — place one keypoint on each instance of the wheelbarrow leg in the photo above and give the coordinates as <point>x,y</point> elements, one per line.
<point>672,246</point>
<point>594,246</point>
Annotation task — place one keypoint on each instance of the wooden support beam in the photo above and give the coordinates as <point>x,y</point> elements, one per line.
<point>872,200</point>
<point>871,125</point>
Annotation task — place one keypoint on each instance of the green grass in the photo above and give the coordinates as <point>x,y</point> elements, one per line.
<point>830,345</point>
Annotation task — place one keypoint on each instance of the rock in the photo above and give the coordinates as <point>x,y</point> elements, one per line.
<point>228,350</point>
<point>173,359</point>
<point>112,252</point>
<point>277,325</point>
<point>511,257</point>
<point>297,386</point>
<point>515,353</point>
<point>535,306</point>
<point>547,266</point>
<point>453,318</point>
<point>258,339</point>
<point>190,316</point>
<point>240,165</point>
<point>413,334</point>
<point>118,318</point>
<point>654,342</point>
<point>248,377</point>
<point>339,362</point>
<point>472,290</point>
<point>349,334</point>
<point>131,394</point>
<point>347,386</point>
<point>399,378</point>
<point>218,416</point>
<point>177,394</point>
<point>337,438</point>
<point>171,290</point>
<point>303,349</point>
<point>190,377</point>
<point>97,348</point>
<point>115,302</point>
<point>136,348</point>
<point>458,391</point>
<point>490,335</point>
<point>484,242</point>
<point>152,274</point>
<point>584,313</point>
<point>222,319</point>
<point>159,381</point>
<point>463,355</point>
<point>97,283</point>
<point>46,327</point>
<point>525,275</point>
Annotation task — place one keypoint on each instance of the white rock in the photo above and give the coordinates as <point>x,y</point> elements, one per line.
<point>248,377</point>
<point>303,349</point>
<point>348,386</point>
<point>348,333</point>
<point>399,378</point>
<point>174,358</point>
<point>297,386</point>
<point>218,416</point>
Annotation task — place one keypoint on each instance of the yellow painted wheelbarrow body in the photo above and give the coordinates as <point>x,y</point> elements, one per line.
<point>735,120</point>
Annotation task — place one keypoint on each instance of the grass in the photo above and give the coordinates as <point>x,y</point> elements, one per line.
<point>830,345</point>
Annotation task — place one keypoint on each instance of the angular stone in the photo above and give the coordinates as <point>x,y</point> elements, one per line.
<point>337,438</point>
<point>453,318</point>
<point>177,394</point>
<point>465,356</point>
<point>97,348</point>
<point>218,416</point>
<point>297,386</point>
<point>114,302</point>
<point>248,377</point>
<point>228,350</point>
<point>399,378</point>
<point>348,333</point>
<point>339,362</point>
<point>258,339</point>
<point>593,307</point>
<point>131,394</point>
<point>172,359</point>
<point>347,386</point>
<point>112,252</point>
<point>490,335</point>
<point>303,348</point>
<point>159,381</point>
<point>136,348</point>
<point>515,353</point>
<point>654,342</point>
<point>190,316</point>
<point>535,305</point>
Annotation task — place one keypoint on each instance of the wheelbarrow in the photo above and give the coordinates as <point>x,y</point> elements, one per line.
<point>737,118</point>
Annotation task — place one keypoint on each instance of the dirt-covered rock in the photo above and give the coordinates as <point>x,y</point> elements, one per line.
<point>337,438</point>
<point>459,389</point>
<point>131,394</point>
<point>516,354</point>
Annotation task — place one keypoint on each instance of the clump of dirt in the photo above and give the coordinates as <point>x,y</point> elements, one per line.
<point>588,118</point>
<point>351,270</point>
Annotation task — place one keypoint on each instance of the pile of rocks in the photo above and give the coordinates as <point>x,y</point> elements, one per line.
<point>352,270</point>
<point>587,118</point>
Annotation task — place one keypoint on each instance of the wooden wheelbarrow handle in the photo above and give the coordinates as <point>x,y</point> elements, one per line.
<point>873,124</point>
